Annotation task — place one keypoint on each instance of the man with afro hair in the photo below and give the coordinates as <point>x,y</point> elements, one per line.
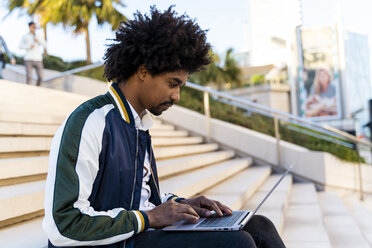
<point>102,187</point>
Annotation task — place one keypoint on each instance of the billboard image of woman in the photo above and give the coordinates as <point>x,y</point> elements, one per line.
<point>318,66</point>
<point>321,100</point>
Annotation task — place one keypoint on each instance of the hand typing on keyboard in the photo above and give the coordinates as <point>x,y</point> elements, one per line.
<point>218,221</point>
<point>205,207</point>
<point>215,215</point>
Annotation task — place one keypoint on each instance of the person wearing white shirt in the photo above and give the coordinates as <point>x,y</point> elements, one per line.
<point>4,48</point>
<point>34,45</point>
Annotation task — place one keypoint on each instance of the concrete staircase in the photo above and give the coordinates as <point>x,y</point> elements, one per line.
<point>187,166</point>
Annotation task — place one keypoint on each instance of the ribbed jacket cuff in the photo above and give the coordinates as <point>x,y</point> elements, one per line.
<point>142,221</point>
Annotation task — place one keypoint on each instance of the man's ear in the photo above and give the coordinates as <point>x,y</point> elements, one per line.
<point>142,72</point>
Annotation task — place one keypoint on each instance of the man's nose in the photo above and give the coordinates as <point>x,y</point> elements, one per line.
<point>176,95</point>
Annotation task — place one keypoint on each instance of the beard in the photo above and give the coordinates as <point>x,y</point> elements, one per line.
<point>157,110</point>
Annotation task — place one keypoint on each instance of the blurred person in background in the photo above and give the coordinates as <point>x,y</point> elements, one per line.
<point>4,48</point>
<point>34,45</point>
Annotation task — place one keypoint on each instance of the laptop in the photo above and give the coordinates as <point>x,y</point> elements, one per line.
<point>234,222</point>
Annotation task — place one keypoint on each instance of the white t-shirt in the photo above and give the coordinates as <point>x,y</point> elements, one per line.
<point>144,123</point>
<point>35,52</point>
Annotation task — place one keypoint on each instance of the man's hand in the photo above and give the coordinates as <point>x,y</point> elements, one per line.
<point>13,61</point>
<point>171,212</point>
<point>202,205</point>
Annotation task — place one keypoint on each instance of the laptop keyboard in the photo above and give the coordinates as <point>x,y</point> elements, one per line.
<point>224,221</point>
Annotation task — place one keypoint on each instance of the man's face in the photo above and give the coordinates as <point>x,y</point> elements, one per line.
<point>324,78</point>
<point>32,28</point>
<point>160,92</point>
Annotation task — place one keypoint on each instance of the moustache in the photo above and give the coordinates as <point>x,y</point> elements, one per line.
<point>167,103</point>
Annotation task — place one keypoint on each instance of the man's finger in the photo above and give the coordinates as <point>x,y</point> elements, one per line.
<point>202,212</point>
<point>224,208</point>
<point>185,208</point>
<point>188,217</point>
<point>212,205</point>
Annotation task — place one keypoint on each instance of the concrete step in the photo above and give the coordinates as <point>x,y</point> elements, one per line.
<point>303,222</point>
<point>342,229</point>
<point>28,234</point>
<point>236,190</point>
<point>171,152</point>
<point>191,183</point>
<point>18,202</point>
<point>156,121</point>
<point>361,215</point>
<point>54,119</point>
<point>176,141</point>
<point>14,170</point>
<point>32,107</point>
<point>26,129</point>
<point>162,127</point>
<point>275,205</point>
<point>168,133</point>
<point>24,144</point>
<point>170,167</point>
<point>26,98</point>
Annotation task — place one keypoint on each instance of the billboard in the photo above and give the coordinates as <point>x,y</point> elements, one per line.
<point>318,74</point>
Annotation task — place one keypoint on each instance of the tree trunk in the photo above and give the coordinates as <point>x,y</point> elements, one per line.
<point>45,38</point>
<point>87,41</point>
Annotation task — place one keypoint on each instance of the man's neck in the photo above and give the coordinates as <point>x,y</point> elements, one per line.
<point>130,92</point>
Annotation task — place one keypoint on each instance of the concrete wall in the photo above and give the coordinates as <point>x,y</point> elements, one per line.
<point>275,96</point>
<point>317,166</point>
<point>72,83</point>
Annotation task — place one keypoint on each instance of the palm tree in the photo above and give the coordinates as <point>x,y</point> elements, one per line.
<point>232,72</point>
<point>73,13</point>
<point>216,74</point>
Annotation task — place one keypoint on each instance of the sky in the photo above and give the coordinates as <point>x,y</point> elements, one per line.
<point>227,22</point>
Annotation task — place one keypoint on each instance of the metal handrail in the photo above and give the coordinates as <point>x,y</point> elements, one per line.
<point>17,70</point>
<point>328,130</point>
<point>72,71</point>
<point>58,75</point>
<point>279,115</point>
<point>235,101</point>
<point>282,115</point>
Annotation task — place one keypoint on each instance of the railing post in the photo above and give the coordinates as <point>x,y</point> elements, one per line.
<point>277,136</point>
<point>67,85</point>
<point>207,114</point>
<point>361,197</point>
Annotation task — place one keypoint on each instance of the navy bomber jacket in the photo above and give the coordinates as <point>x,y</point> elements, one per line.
<point>94,182</point>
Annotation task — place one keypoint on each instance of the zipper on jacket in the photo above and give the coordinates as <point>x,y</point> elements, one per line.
<point>135,171</point>
<point>152,174</point>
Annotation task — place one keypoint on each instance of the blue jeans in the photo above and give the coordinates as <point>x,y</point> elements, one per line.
<point>1,69</point>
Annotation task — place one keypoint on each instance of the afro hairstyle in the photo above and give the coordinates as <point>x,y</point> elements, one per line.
<point>162,42</point>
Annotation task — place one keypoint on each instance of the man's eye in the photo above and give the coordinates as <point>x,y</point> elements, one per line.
<point>173,85</point>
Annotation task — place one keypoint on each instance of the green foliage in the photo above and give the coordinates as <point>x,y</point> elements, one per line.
<point>193,99</point>
<point>218,74</point>
<point>257,79</point>
<point>96,73</point>
<point>57,64</point>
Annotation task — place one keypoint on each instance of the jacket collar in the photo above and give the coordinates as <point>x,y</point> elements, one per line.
<point>121,103</point>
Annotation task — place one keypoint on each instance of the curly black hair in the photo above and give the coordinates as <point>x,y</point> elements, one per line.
<point>162,42</point>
